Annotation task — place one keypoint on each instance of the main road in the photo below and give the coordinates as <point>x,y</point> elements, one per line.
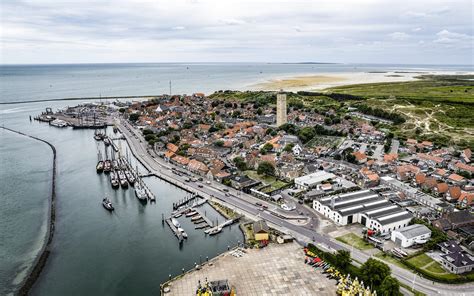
<point>246,204</point>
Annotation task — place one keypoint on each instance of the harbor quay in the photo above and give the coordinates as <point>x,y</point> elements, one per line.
<point>277,269</point>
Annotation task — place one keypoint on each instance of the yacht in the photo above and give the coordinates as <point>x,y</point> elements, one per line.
<point>175,222</point>
<point>140,192</point>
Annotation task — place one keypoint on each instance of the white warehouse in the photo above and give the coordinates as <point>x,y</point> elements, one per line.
<point>365,207</point>
<point>410,235</point>
<point>312,180</point>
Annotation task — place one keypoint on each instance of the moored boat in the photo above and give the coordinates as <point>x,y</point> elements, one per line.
<point>175,222</point>
<point>192,213</point>
<point>122,179</point>
<point>140,192</point>
<point>178,215</point>
<point>131,179</point>
<point>107,166</point>
<point>100,166</point>
<point>114,179</point>
<point>215,231</point>
<point>195,218</point>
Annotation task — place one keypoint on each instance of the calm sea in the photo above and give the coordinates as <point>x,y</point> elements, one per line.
<point>128,252</point>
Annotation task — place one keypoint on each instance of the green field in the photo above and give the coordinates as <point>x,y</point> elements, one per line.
<point>354,240</point>
<point>436,108</point>
<point>267,180</point>
<point>433,268</point>
<point>390,259</point>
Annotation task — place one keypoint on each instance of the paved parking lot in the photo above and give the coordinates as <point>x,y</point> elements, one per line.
<point>274,270</point>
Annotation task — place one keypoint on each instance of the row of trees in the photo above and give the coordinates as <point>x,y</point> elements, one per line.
<point>377,112</point>
<point>373,272</point>
<point>305,134</point>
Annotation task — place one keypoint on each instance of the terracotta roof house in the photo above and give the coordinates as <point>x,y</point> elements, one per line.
<point>420,178</point>
<point>466,199</point>
<point>454,192</point>
<point>172,147</point>
<point>430,183</point>
<point>360,157</point>
<point>464,167</point>
<point>181,160</point>
<point>197,167</point>
<point>457,179</point>
<point>466,155</point>
<point>441,188</point>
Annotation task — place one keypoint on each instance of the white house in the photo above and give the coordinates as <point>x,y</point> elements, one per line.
<point>297,149</point>
<point>312,180</point>
<point>410,235</point>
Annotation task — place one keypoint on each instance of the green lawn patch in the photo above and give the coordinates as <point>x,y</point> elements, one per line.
<point>389,259</point>
<point>356,241</point>
<point>268,180</point>
<point>420,260</point>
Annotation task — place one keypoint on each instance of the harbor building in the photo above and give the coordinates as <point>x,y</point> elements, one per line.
<point>281,108</point>
<point>365,207</point>
<point>410,235</point>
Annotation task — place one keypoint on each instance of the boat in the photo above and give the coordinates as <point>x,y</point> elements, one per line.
<point>178,215</point>
<point>107,166</point>
<point>131,179</point>
<point>107,204</point>
<point>215,231</point>
<point>100,166</point>
<point>180,229</point>
<point>58,123</point>
<point>184,234</point>
<point>175,222</point>
<point>140,192</point>
<point>107,141</point>
<point>115,129</point>
<point>114,179</point>
<point>192,213</point>
<point>115,164</point>
<point>195,218</point>
<point>122,179</point>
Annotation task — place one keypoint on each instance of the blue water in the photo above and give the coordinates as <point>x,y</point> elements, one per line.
<point>25,82</point>
<point>93,252</point>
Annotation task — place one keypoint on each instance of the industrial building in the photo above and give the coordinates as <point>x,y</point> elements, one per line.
<point>410,235</point>
<point>365,207</point>
<point>312,180</point>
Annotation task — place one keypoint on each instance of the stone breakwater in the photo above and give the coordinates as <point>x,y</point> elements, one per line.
<point>45,251</point>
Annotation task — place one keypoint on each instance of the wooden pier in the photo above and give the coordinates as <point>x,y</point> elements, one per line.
<point>175,230</point>
<point>183,202</point>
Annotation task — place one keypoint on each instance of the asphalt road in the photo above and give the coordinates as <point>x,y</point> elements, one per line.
<point>246,203</point>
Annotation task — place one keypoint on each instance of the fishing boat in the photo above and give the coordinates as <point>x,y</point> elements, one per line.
<point>100,166</point>
<point>192,213</point>
<point>215,231</point>
<point>107,204</point>
<point>195,218</point>
<point>114,179</point>
<point>107,166</point>
<point>122,179</point>
<point>131,179</point>
<point>107,141</point>
<point>175,222</point>
<point>140,192</point>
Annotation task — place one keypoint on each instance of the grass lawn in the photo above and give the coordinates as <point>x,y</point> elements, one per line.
<point>269,180</point>
<point>435,268</point>
<point>420,260</point>
<point>352,239</point>
<point>390,259</point>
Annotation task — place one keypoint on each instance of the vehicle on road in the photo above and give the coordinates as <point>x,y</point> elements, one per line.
<point>200,186</point>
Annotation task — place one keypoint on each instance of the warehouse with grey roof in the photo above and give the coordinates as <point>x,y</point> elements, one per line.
<point>365,207</point>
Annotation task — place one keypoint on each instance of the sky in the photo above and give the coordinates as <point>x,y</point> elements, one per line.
<point>351,31</point>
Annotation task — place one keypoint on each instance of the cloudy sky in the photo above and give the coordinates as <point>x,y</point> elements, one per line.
<point>351,31</point>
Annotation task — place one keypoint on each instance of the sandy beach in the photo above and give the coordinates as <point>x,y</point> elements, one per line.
<point>327,80</point>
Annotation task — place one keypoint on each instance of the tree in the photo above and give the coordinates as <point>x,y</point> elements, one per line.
<point>240,163</point>
<point>266,148</point>
<point>288,147</point>
<point>122,110</point>
<point>149,137</point>
<point>266,168</point>
<point>259,111</point>
<point>147,132</point>
<point>134,117</point>
<point>343,259</point>
<point>219,143</point>
<point>389,287</point>
<point>374,272</point>
<point>306,134</point>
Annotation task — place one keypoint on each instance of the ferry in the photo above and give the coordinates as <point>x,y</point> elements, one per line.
<point>175,222</point>
<point>107,204</point>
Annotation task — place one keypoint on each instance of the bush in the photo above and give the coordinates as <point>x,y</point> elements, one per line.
<point>266,168</point>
